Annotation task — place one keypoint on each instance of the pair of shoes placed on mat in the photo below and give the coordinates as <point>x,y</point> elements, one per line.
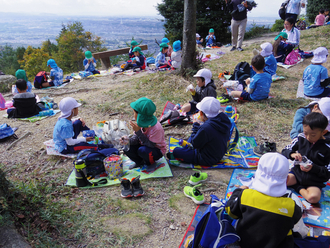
<point>149,168</point>
<point>131,188</point>
<point>192,192</point>
<point>264,148</point>
<point>225,98</point>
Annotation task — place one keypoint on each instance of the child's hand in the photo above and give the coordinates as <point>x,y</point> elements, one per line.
<point>247,81</point>
<point>134,126</point>
<point>307,168</point>
<point>82,121</point>
<point>244,187</point>
<point>296,156</point>
<point>202,40</point>
<point>192,90</point>
<point>89,139</point>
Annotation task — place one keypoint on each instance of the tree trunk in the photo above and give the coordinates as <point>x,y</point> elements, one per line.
<point>189,37</point>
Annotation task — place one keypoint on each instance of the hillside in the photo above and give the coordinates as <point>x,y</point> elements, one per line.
<point>70,217</point>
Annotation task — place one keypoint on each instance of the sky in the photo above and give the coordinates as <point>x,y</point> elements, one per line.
<point>266,8</point>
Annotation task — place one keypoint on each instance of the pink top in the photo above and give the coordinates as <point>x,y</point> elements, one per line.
<point>156,135</point>
<point>319,20</point>
<point>169,51</point>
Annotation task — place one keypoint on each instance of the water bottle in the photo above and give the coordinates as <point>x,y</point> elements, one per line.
<point>46,113</point>
<point>229,111</point>
<point>80,172</point>
<point>185,143</point>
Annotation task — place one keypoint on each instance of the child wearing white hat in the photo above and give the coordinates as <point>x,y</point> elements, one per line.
<point>316,77</point>
<point>209,140</point>
<point>205,87</point>
<point>322,106</point>
<point>270,61</point>
<point>265,216</point>
<point>66,132</point>
<point>199,40</point>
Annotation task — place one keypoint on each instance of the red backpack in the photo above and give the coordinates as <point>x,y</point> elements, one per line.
<point>39,79</point>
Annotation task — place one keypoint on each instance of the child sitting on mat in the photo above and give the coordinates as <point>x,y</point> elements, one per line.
<point>322,106</point>
<point>21,74</point>
<point>209,140</point>
<point>312,148</point>
<point>270,61</point>
<point>316,77</point>
<point>259,85</point>
<point>148,143</point>
<point>139,61</point>
<point>56,74</point>
<point>160,59</point>
<point>265,216</point>
<point>169,50</point>
<point>90,63</point>
<point>176,56</point>
<point>205,87</point>
<point>280,47</point>
<point>25,103</point>
<point>66,130</point>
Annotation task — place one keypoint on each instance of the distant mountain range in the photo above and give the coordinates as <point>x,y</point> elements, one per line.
<point>24,30</point>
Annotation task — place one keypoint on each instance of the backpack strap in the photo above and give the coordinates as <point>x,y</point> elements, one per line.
<point>232,144</point>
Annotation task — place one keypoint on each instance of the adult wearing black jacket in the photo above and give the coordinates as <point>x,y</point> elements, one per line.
<point>238,23</point>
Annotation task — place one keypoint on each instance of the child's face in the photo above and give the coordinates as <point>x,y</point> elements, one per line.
<point>165,50</point>
<point>137,54</point>
<point>313,135</point>
<point>326,13</point>
<point>75,111</point>
<point>211,33</point>
<point>135,114</point>
<point>200,82</point>
<point>203,117</point>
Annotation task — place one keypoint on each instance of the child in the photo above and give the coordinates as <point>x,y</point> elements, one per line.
<point>308,180</point>
<point>205,87</point>
<point>265,216</point>
<point>320,18</point>
<point>169,51</point>
<point>90,63</point>
<point>176,56</point>
<point>258,85</point>
<point>66,130</point>
<point>25,103</point>
<point>280,47</point>
<point>148,144</point>
<point>199,41</point>
<point>323,107</point>
<point>56,74</point>
<point>270,61</point>
<point>210,39</point>
<point>21,74</point>
<point>160,59</point>
<point>326,14</point>
<point>139,61</point>
<point>315,76</point>
<point>209,140</point>
<point>292,32</point>
<point>133,45</point>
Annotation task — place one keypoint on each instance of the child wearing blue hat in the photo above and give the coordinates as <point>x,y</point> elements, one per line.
<point>90,63</point>
<point>176,56</point>
<point>160,59</point>
<point>56,74</point>
<point>148,143</point>
<point>169,51</point>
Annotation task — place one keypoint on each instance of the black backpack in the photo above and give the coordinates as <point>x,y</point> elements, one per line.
<point>173,117</point>
<point>39,79</point>
<point>241,72</point>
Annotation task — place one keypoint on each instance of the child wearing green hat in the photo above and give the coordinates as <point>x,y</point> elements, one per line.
<point>148,143</point>
<point>21,74</point>
<point>170,50</point>
<point>90,63</point>
<point>133,45</point>
<point>160,59</point>
<point>211,39</point>
<point>139,61</point>
<point>280,47</point>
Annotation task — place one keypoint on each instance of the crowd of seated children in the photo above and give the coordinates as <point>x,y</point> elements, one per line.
<point>90,63</point>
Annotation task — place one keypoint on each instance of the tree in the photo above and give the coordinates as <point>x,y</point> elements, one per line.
<point>9,59</point>
<point>209,14</point>
<point>189,37</point>
<point>313,8</point>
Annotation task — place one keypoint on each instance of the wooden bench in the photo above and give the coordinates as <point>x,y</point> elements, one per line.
<point>104,56</point>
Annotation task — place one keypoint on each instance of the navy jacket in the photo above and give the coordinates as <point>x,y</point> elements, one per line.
<point>210,139</point>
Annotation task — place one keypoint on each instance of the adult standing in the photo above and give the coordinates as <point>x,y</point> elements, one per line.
<point>293,8</point>
<point>238,22</point>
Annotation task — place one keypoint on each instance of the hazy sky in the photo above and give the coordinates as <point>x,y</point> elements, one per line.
<point>266,8</point>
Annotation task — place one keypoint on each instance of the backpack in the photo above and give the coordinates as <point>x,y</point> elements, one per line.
<point>213,229</point>
<point>282,10</point>
<point>173,117</point>
<point>241,71</point>
<point>6,131</point>
<point>293,57</point>
<point>94,160</point>
<point>39,79</point>
<point>113,131</point>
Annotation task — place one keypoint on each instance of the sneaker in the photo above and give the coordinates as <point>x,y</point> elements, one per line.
<point>233,49</point>
<point>198,177</point>
<point>170,156</point>
<point>240,49</point>
<point>126,190</point>
<point>136,187</point>
<point>264,148</point>
<point>194,194</point>
<point>224,98</point>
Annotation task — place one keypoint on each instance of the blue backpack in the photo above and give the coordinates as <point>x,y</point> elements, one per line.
<point>214,230</point>
<point>6,131</point>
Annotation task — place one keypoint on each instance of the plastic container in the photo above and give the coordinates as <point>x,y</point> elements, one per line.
<point>190,87</point>
<point>46,113</point>
<point>113,166</point>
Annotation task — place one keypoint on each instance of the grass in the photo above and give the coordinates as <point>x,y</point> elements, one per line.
<point>50,215</point>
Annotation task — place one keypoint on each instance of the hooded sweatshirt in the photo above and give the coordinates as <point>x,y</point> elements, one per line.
<point>210,139</point>
<point>206,90</point>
